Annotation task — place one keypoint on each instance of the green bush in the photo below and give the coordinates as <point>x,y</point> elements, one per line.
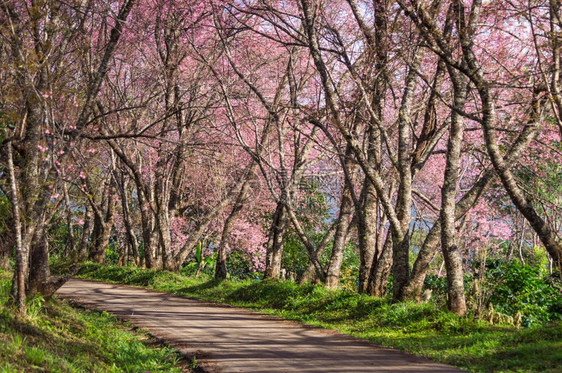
<point>520,288</point>
<point>438,285</point>
<point>239,266</point>
<point>512,288</point>
<point>112,253</point>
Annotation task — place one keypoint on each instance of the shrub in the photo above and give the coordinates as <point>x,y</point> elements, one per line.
<point>515,287</point>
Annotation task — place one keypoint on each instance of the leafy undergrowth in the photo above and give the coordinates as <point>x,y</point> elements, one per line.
<point>56,337</point>
<point>422,329</point>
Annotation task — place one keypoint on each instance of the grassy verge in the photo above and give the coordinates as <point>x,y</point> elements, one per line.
<point>56,337</point>
<point>422,329</point>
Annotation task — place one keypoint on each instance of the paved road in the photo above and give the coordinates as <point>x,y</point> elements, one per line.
<point>228,339</point>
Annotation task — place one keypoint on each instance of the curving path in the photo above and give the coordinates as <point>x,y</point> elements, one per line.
<point>228,339</point>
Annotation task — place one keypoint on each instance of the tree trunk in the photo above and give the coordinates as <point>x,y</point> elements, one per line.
<point>274,253</point>
<point>380,271</point>
<point>40,280</point>
<point>100,240</point>
<point>523,204</point>
<point>21,254</point>
<point>39,272</point>
<point>400,265</point>
<point>311,274</point>
<point>131,237</point>
<point>82,253</point>
<point>451,255</point>
<point>148,231</point>
<point>398,218</point>
<point>400,232</point>
<point>103,224</point>
<point>412,290</point>
<point>367,230</point>
<point>340,240</point>
<point>71,242</point>
<point>164,235</point>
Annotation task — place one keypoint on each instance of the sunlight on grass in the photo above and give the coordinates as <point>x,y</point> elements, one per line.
<point>55,337</point>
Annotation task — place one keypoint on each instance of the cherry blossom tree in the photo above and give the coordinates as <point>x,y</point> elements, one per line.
<point>430,128</point>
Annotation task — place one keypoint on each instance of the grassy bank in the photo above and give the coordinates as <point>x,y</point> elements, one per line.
<point>56,337</point>
<point>422,329</point>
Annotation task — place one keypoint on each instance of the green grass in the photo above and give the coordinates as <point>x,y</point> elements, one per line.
<point>422,329</point>
<point>55,337</point>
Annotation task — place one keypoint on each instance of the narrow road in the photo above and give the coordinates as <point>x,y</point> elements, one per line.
<point>228,339</point>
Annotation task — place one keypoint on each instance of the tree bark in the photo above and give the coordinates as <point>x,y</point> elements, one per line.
<point>451,254</point>
<point>340,240</point>
<point>164,235</point>
<point>131,237</point>
<point>71,241</point>
<point>274,252</point>
<point>380,271</point>
<point>100,240</point>
<point>400,233</point>
<point>103,224</point>
<point>313,273</point>
<point>82,253</point>
<point>21,255</point>
<point>367,230</point>
<point>39,271</point>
